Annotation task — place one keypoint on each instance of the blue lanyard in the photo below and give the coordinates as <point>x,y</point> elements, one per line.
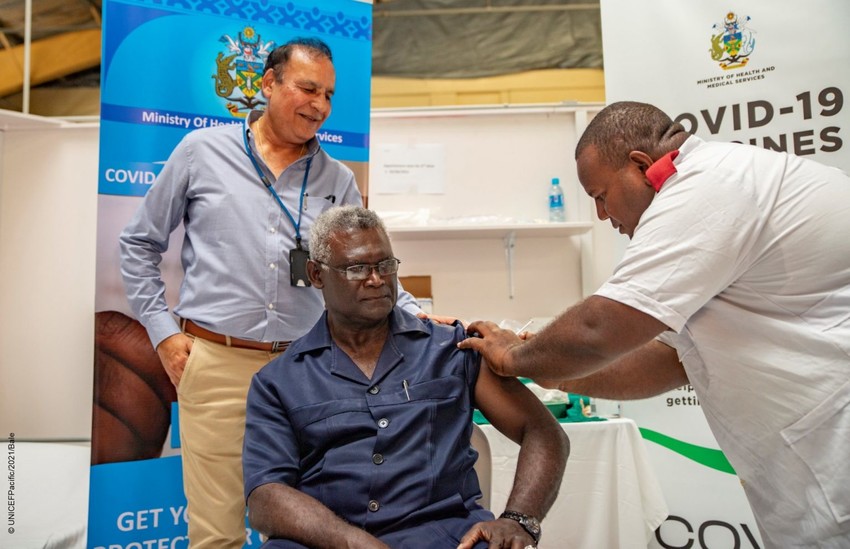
<point>268,185</point>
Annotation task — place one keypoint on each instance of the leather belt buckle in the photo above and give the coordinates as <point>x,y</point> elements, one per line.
<point>279,346</point>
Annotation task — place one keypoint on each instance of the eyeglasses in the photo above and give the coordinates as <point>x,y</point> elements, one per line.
<point>363,271</point>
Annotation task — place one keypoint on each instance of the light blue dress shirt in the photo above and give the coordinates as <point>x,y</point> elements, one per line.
<point>235,253</point>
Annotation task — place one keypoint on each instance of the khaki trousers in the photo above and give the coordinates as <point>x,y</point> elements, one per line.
<point>211,400</point>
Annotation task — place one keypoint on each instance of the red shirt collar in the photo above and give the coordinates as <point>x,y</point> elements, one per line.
<point>661,170</point>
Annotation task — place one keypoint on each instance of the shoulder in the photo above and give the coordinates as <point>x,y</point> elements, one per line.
<point>703,156</point>
<point>405,322</point>
<point>215,136</point>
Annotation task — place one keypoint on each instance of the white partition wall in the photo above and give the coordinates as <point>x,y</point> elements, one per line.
<point>498,163</point>
<point>48,203</point>
<point>477,220</point>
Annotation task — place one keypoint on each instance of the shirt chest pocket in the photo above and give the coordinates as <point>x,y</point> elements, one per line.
<point>437,402</point>
<point>450,391</point>
<point>324,423</point>
<point>313,206</point>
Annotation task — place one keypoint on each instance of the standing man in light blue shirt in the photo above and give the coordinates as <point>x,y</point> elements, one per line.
<point>247,196</point>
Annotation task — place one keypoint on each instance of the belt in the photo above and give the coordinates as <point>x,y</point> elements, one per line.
<point>269,346</point>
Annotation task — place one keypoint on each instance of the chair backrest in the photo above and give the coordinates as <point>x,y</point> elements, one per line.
<point>484,465</point>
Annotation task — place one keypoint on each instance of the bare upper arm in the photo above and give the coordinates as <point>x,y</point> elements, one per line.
<point>509,405</point>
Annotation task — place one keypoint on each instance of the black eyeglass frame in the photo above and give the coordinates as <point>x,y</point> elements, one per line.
<point>362,271</point>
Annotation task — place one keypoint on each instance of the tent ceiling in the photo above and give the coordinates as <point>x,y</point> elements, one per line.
<point>411,38</point>
<point>473,38</point>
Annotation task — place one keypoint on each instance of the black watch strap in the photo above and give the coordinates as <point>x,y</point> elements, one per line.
<point>528,523</point>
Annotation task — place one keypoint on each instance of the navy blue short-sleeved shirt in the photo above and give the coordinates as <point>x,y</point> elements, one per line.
<point>379,456</point>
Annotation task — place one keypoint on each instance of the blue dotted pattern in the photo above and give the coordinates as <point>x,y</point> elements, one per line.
<point>309,19</point>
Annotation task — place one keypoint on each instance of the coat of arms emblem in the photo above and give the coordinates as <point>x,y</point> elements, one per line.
<point>734,43</point>
<point>239,71</point>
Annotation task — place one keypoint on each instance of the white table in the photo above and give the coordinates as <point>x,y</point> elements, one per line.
<point>609,497</point>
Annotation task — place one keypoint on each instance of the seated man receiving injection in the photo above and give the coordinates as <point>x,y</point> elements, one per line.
<point>359,434</point>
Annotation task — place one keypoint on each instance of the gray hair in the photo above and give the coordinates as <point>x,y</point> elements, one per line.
<point>627,126</point>
<point>339,220</point>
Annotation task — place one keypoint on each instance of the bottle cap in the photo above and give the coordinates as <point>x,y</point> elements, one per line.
<point>556,181</point>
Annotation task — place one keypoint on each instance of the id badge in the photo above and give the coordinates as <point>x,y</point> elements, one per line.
<point>298,267</point>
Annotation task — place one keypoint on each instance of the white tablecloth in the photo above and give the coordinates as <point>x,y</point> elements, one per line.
<point>609,498</point>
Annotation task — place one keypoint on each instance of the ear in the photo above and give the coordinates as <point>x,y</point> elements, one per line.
<point>267,81</point>
<point>314,273</point>
<point>642,161</point>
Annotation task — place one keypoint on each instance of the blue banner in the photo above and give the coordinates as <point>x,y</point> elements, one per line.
<point>170,67</point>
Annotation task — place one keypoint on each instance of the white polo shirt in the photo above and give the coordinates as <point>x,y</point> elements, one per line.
<point>745,254</point>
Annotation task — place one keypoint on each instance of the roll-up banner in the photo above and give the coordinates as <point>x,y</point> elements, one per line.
<point>170,67</point>
<point>769,73</point>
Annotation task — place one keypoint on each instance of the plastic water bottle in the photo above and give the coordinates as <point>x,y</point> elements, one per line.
<point>556,201</point>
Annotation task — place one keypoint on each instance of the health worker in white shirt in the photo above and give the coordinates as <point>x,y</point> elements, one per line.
<point>736,280</point>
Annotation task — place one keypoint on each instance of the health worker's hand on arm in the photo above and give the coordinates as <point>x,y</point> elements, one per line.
<point>584,339</point>
<point>495,345</point>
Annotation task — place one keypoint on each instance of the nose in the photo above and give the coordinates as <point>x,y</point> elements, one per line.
<point>375,278</point>
<point>322,104</point>
<point>601,213</point>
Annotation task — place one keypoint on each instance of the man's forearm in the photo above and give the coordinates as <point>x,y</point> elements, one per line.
<point>648,371</point>
<point>585,339</point>
<point>279,511</point>
<point>540,467</point>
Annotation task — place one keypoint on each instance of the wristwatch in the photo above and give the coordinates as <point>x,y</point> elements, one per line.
<point>529,524</point>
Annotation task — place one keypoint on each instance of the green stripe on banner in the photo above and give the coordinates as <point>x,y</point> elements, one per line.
<point>704,456</point>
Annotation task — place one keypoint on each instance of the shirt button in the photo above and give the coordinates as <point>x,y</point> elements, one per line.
<point>374,505</point>
<point>271,229</point>
<point>374,390</point>
<point>271,305</point>
<point>383,422</point>
<point>377,459</point>
<point>272,266</point>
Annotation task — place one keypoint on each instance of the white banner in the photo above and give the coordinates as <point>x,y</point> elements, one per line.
<point>770,73</point>
<point>753,72</point>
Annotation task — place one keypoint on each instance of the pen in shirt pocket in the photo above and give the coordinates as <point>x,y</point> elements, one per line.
<point>527,324</point>
<point>406,387</point>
